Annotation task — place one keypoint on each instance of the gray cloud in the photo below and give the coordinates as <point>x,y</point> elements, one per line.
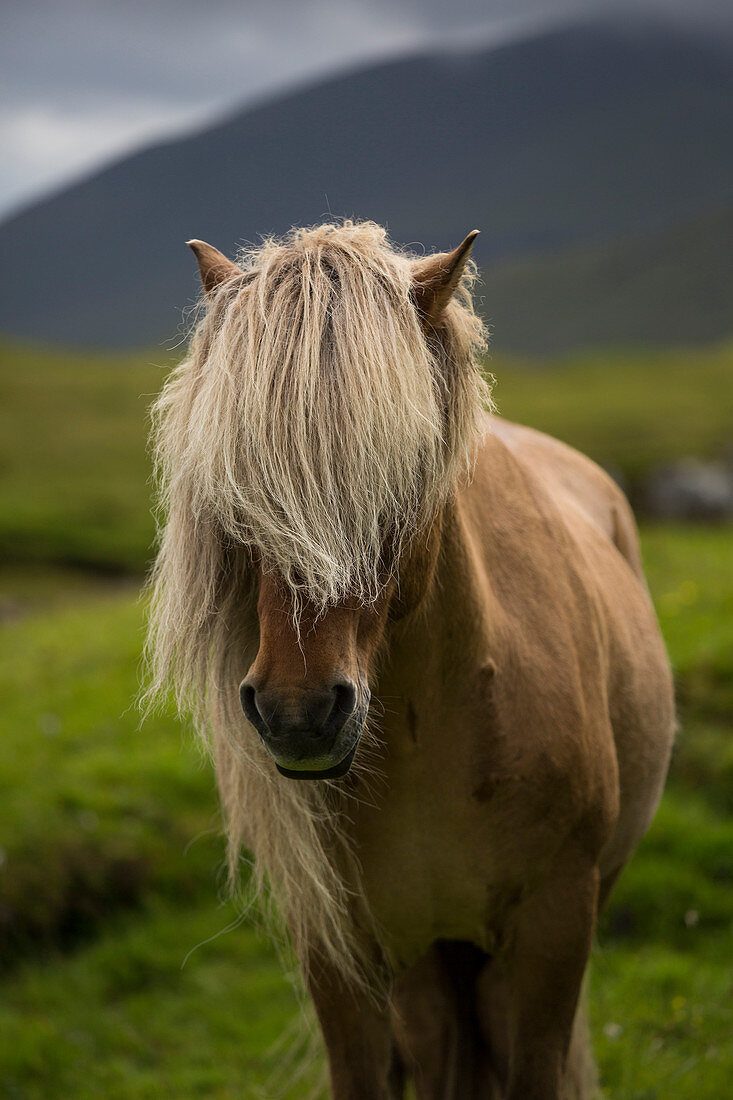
<point>85,80</point>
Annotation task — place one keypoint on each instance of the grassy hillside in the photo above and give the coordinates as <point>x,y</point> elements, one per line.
<point>581,130</point>
<point>628,410</point>
<point>664,289</point>
<point>74,485</point>
<point>111,872</point>
<point>73,457</point>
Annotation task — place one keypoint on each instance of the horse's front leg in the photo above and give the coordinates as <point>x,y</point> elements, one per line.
<point>357,1033</point>
<point>551,944</point>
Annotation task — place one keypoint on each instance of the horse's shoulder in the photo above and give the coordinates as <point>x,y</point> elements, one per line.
<point>580,489</point>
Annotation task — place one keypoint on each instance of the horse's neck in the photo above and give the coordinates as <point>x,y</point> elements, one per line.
<point>449,635</point>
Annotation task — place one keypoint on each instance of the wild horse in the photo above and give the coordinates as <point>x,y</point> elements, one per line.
<point>457,705</point>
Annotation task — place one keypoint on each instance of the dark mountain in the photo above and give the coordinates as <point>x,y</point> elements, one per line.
<point>580,134</point>
<point>673,286</point>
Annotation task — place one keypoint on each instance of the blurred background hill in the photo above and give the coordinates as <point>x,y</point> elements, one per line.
<point>595,156</point>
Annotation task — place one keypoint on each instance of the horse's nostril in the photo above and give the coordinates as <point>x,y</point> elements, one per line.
<point>248,699</point>
<point>344,699</point>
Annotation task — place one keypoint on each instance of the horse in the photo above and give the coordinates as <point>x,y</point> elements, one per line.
<point>418,642</point>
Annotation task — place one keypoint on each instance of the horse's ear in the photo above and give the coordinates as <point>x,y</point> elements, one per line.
<point>436,278</point>
<point>214,267</point>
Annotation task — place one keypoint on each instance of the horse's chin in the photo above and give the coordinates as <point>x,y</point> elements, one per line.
<point>308,771</point>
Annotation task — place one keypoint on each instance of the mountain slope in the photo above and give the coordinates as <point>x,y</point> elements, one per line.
<point>582,133</point>
<point>674,286</point>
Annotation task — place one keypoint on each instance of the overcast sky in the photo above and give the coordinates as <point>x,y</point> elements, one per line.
<point>82,81</point>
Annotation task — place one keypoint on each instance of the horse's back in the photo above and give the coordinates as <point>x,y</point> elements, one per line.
<point>574,482</point>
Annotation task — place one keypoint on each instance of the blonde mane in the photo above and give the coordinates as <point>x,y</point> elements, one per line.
<point>312,424</point>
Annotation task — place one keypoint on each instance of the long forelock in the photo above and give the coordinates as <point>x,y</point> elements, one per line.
<point>318,425</point>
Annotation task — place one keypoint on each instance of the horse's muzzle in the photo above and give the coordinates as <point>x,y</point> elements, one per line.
<point>311,734</point>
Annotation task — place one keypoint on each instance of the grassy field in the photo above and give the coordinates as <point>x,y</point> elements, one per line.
<point>125,972</point>
<point>74,485</point>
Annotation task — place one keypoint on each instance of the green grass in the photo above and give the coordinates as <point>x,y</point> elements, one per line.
<point>662,1020</point>
<point>629,411</point>
<point>689,570</point>
<point>74,470</point>
<point>73,457</point>
<point>132,1016</point>
<point>145,1020</point>
<point>111,873</point>
<point>94,810</point>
